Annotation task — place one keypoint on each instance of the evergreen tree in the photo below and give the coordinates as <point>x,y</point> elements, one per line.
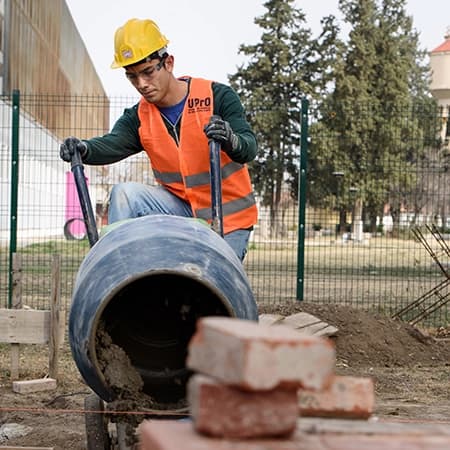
<point>379,77</point>
<point>286,65</point>
<point>401,82</point>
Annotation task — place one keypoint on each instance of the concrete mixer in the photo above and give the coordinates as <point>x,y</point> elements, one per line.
<point>136,300</point>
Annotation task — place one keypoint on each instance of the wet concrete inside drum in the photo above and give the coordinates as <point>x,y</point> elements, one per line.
<point>152,320</point>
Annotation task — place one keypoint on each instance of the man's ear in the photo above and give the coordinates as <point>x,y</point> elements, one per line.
<point>169,63</point>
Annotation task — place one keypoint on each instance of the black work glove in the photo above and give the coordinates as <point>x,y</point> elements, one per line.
<point>67,148</point>
<point>220,130</point>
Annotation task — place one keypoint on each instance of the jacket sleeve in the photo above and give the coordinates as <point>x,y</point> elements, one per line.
<point>228,105</point>
<point>122,141</point>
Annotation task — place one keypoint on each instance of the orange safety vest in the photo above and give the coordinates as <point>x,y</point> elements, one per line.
<point>184,169</point>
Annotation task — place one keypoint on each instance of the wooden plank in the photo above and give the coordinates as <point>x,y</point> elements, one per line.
<point>301,320</point>
<point>16,303</point>
<point>270,319</point>
<point>27,386</point>
<point>15,358</point>
<point>328,331</point>
<point>16,293</point>
<point>309,324</point>
<point>26,326</point>
<point>8,447</point>
<point>319,329</point>
<point>170,434</point>
<point>55,305</point>
<point>380,427</point>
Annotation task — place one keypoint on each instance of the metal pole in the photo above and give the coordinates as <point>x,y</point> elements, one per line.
<point>216,187</point>
<point>14,188</point>
<point>302,199</point>
<point>83,195</point>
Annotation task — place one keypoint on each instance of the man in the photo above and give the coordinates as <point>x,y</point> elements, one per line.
<point>173,122</point>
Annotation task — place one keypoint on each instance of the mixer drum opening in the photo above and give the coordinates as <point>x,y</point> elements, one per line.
<point>152,320</point>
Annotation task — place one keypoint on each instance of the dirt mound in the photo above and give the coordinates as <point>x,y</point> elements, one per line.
<point>369,340</point>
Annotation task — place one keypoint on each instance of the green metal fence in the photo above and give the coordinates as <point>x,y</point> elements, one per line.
<point>375,180</point>
<point>323,251</point>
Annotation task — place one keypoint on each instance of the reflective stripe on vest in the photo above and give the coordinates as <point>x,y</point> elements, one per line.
<point>231,207</point>
<point>184,169</point>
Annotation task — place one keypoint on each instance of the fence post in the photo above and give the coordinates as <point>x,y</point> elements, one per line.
<point>55,308</point>
<point>14,188</point>
<point>302,199</point>
<point>16,303</point>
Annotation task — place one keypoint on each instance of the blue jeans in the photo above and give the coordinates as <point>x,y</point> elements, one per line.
<point>130,200</point>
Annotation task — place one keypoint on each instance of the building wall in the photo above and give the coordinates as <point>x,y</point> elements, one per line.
<point>440,83</point>
<point>43,56</point>
<point>42,53</point>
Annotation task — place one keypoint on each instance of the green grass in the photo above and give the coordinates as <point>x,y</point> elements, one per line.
<point>393,257</point>
<point>57,247</point>
<point>385,274</point>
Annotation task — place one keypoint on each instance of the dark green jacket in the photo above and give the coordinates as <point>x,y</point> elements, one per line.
<point>123,140</point>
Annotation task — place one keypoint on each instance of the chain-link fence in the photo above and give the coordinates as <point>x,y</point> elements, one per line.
<point>330,249</point>
<point>376,176</point>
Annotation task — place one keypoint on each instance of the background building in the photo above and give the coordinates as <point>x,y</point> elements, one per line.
<point>440,83</point>
<point>44,61</point>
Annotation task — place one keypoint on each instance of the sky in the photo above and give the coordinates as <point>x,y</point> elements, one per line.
<point>205,35</point>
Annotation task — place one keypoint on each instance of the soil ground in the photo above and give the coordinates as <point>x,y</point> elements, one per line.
<point>410,368</point>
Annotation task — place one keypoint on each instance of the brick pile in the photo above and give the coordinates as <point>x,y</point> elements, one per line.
<point>344,397</point>
<point>252,382</point>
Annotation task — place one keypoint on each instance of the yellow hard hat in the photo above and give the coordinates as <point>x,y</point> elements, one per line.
<point>136,40</point>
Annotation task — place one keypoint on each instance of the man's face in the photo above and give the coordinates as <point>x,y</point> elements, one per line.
<point>149,79</point>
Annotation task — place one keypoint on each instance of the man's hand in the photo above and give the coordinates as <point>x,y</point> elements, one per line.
<point>220,130</point>
<point>67,148</point>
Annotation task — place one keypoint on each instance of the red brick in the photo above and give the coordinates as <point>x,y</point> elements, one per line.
<point>351,397</point>
<point>221,410</point>
<point>172,435</point>
<point>259,357</point>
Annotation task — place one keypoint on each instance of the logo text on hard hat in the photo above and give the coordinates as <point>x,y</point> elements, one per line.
<point>127,53</point>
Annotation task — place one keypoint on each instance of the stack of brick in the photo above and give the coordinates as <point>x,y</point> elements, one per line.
<point>252,381</point>
<point>248,376</point>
